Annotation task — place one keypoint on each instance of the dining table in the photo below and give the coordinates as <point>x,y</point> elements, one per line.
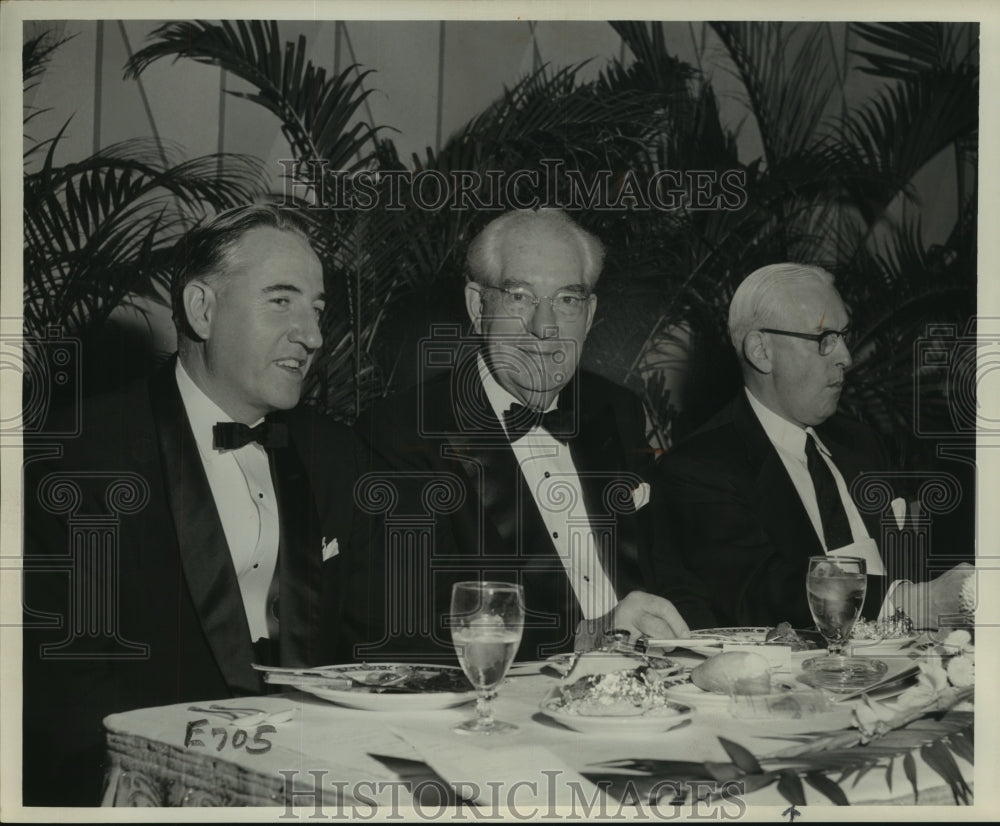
<point>309,757</point>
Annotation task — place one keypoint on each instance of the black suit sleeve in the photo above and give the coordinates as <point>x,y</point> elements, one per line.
<point>64,700</point>
<point>714,531</point>
<point>659,571</point>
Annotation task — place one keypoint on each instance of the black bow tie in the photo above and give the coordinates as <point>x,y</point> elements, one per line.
<point>232,435</point>
<point>518,420</point>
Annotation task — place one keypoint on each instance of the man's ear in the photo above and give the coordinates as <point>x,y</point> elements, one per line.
<point>199,302</point>
<point>591,310</point>
<point>474,306</point>
<point>757,352</point>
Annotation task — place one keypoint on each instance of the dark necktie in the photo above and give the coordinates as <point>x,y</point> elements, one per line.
<point>232,435</point>
<point>836,528</point>
<point>518,420</point>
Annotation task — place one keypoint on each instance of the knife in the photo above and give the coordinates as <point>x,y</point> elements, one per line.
<point>877,688</point>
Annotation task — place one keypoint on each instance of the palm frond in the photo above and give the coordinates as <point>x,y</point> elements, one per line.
<point>99,228</point>
<point>902,129</point>
<point>910,49</point>
<point>317,113</point>
<point>788,76</point>
<point>825,762</point>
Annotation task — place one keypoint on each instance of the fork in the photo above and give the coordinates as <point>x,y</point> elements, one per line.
<point>246,716</point>
<point>229,712</point>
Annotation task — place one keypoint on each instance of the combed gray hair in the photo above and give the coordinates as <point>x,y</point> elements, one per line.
<point>206,249</point>
<point>483,259</point>
<point>757,301</point>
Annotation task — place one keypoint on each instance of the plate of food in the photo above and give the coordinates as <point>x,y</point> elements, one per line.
<point>892,635</point>
<point>626,700</point>
<point>608,661</point>
<point>742,685</point>
<point>711,685</point>
<point>802,643</point>
<point>380,686</point>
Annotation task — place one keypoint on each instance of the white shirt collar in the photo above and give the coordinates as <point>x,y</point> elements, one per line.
<point>782,433</point>
<point>499,398</point>
<point>202,412</point>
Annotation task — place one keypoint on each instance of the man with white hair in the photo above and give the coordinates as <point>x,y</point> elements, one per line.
<point>765,484</point>
<point>549,462</point>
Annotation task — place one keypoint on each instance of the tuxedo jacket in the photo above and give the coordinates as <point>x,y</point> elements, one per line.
<point>734,519</point>
<point>175,629</point>
<point>484,523</point>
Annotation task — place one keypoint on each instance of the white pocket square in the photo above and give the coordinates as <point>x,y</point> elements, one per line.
<point>330,549</point>
<point>898,506</point>
<point>640,496</point>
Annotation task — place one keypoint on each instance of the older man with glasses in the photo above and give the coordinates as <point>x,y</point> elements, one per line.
<point>765,484</point>
<point>550,462</point>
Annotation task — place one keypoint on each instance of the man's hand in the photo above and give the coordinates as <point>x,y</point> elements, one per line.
<point>638,613</point>
<point>928,603</point>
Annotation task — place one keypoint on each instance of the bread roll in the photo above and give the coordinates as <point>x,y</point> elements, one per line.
<point>733,672</point>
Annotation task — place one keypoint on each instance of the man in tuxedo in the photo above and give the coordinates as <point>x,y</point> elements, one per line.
<point>229,528</point>
<point>764,485</point>
<point>541,468</point>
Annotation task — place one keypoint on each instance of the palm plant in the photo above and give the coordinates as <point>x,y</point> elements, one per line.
<point>825,189</point>
<point>101,229</point>
<point>317,114</point>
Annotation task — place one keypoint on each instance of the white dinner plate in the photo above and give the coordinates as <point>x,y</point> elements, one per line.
<point>655,721</point>
<point>684,691</point>
<point>904,646</point>
<point>563,663</point>
<point>391,698</point>
<point>742,635</point>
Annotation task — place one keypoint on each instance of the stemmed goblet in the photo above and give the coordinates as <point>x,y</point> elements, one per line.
<point>835,588</point>
<point>487,619</point>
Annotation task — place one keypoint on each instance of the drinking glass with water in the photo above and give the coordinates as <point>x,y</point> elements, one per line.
<point>487,619</point>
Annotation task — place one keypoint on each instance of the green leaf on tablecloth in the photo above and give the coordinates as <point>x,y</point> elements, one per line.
<point>826,786</point>
<point>961,744</point>
<point>753,782</point>
<point>791,789</point>
<point>861,772</point>
<point>740,756</point>
<point>910,769</point>
<point>721,772</point>
<point>663,768</point>
<point>938,757</point>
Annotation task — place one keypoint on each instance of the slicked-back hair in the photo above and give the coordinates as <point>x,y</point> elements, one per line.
<point>483,261</point>
<point>758,300</point>
<point>205,250</point>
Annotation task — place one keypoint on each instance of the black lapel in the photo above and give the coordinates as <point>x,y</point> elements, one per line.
<point>780,509</point>
<point>300,554</point>
<point>478,442</point>
<point>207,562</point>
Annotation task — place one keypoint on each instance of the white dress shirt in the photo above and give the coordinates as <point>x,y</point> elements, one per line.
<point>552,478</point>
<point>789,441</point>
<point>244,498</point>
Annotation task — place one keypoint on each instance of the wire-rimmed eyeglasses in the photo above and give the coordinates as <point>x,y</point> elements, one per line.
<point>520,301</point>
<point>827,340</point>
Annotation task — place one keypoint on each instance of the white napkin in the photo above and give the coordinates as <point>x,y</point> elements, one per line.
<point>530,777</point>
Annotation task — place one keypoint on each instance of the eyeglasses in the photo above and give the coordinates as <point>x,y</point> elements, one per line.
<point>827,340</point>
<point>520,301</point>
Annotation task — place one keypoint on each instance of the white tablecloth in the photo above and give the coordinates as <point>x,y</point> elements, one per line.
<point>349,753</point>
